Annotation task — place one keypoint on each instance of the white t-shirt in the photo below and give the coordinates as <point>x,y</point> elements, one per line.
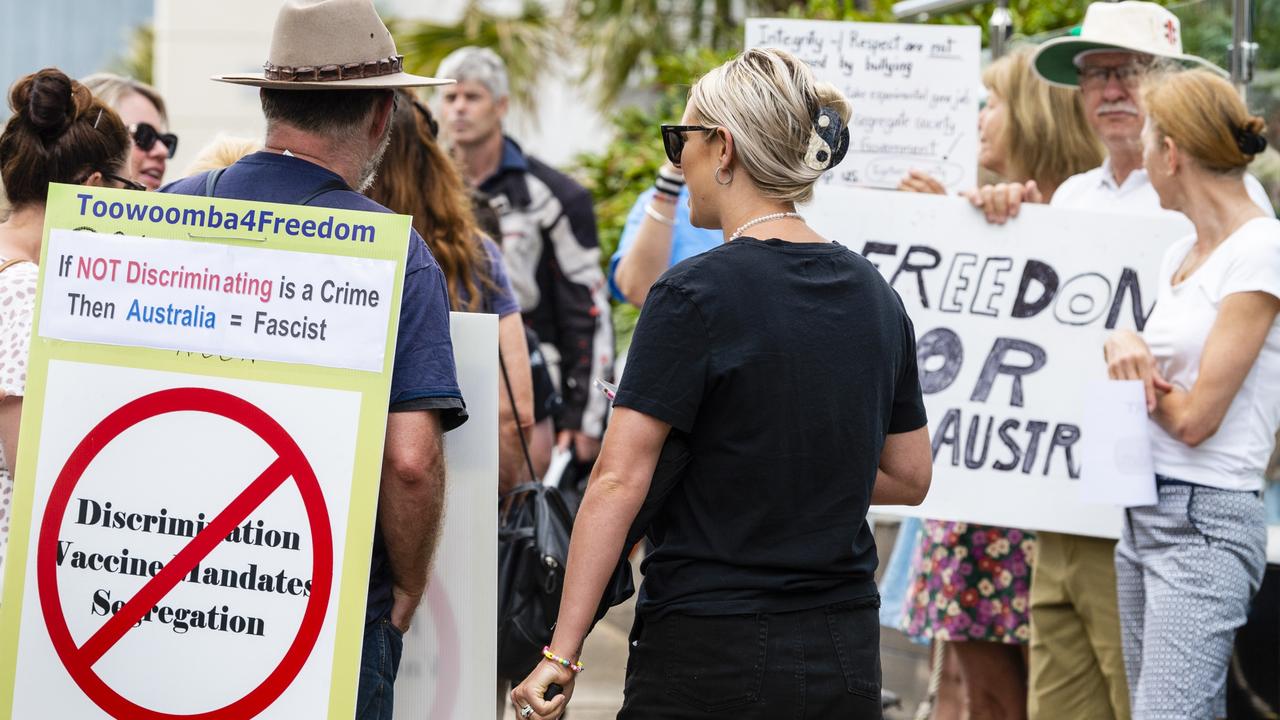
<point>1247,261</point>
<point>1097,189</point>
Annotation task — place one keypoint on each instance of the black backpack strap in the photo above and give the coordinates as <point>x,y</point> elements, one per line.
<point>328,187</point>
<point>211,185</point>
<point>211,181</point>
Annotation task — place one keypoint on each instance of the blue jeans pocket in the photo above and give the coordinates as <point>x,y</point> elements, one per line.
<point>855,633</point>
<point>395,648</point>
<point>715,663</point>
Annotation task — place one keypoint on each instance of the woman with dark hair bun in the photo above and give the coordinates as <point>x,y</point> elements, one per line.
<point>58,133</point>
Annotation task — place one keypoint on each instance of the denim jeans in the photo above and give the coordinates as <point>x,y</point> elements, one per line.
<point>807,665</point>
<point>379,660</point>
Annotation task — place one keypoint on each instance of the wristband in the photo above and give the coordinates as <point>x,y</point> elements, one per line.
<point>659,217</point>
<point>668,186</point>
<point>577,667</point>
<point>664,197</point>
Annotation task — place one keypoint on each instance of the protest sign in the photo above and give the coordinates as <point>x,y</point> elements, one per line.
<point>1010,321</point>
<point>914,91</point>
<point>449,667</point>
<point>1116,467</point>
<point>198,468</point>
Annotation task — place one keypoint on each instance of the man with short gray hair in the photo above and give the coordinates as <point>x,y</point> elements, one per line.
<point>327,94</point>
<point>548,241</point>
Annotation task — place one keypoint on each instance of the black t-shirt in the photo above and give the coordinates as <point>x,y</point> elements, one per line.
<point>784,365</point>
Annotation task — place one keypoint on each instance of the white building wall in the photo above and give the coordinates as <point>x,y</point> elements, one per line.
<point>197,40</point>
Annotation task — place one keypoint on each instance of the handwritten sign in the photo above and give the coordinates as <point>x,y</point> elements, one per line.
<point>914,90</point>
<point>1010,323</point>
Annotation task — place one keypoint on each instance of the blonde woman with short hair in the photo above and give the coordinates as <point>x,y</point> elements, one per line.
<point>787,366</point>
<point>1209,358</point>
<point>222,152</point>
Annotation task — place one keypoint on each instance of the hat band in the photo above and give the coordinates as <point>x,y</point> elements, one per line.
<point>331,73</point>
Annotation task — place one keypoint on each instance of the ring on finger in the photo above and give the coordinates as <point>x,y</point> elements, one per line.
<point>526,711</point>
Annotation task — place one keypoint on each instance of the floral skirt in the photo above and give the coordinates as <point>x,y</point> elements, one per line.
<point>970,582</point>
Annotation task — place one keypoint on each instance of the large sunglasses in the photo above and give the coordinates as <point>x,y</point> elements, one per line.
<point>145,137</point>
<point>673,139</point>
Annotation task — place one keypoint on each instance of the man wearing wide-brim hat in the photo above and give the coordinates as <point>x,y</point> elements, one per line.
<point>1117,46</point>
<point>326,92</point>
<point>1076,658</point>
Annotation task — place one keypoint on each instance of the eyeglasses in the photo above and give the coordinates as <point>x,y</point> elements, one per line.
<point>1129,76</point>
<point>145,137</point>
<point>673,139</point>
<point>125,182</point>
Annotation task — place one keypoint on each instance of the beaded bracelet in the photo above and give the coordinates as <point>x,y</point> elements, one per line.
<point>574,666</point>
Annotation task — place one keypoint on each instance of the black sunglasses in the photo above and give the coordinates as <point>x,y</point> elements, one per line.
<point>145,137</point>
<point>126,182</point>
<point>673,139</point>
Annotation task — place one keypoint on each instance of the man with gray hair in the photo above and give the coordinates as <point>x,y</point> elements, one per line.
<point>548,241</point>
<point>327,94</point>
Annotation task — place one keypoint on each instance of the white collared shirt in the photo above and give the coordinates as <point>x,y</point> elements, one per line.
<point>1097,190</point>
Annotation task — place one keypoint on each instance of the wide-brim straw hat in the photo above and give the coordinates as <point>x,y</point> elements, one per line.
<point>1129,26</point>
<point>331,45</point>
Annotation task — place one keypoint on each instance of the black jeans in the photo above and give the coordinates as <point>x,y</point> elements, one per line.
<point>821,664</point>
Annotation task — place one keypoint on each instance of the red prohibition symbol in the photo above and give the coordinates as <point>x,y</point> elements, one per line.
<point>289,463</point>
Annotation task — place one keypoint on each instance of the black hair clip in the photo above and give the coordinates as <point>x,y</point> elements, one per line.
<point>829,142</point>
<point>1250,142</point>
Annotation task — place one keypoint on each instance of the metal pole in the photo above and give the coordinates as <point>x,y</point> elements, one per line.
<point>1001,29</point>
<point>1243,49</point>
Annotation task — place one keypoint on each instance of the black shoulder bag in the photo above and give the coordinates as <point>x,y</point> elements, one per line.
<point>533,552</point>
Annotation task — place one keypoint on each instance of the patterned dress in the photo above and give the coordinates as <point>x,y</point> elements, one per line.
<point>17,305</point>
<point>971,582</point>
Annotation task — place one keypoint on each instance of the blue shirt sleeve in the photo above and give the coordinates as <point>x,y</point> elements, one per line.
<point>502,298</point>
<point>629,230</point>
<point>686,240</point>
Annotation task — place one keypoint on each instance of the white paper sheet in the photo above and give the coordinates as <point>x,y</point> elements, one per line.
<point>1116,465</point>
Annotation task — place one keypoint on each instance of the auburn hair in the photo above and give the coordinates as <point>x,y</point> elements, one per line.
<point>417,178</point>
<point>1204,116</point>
<point>58,133</point>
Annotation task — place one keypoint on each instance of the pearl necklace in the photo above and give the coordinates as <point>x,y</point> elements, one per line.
<point>764,218</point>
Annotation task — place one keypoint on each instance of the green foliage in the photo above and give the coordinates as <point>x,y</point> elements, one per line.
<point>139,56</point>
<point>627,166</point>
<point>528,42</point>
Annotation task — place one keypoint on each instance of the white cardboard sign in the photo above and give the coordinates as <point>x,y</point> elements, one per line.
<point>914,90</point>
<point>201,297</point>
<point>1010,322</point>
<point>137,503</point>
<point>449,667</point>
